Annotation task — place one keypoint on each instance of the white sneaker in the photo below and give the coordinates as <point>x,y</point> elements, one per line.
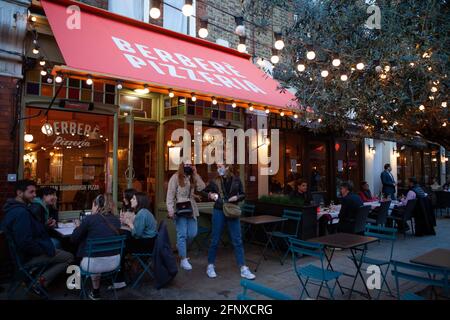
<point>245,273</point>
<point>185,264</point>
<point>210,271</point>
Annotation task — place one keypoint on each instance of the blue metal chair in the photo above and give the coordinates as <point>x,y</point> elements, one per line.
<point>432,276</point>
<point>262,290</point>
<point>247,210</point>
<point>382,233</point>
<point>26,274</point>
<point>145,261</point>
<point>311,273</point>
<point>292,217</point>
<point>102,245</point>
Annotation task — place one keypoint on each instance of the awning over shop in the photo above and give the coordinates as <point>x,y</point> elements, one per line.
<point>104,43</point>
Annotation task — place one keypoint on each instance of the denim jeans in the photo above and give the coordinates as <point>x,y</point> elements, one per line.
<point>186,232</point>
<point>234,229</point>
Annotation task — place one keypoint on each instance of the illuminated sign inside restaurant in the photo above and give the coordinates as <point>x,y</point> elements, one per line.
<point>72,128</point>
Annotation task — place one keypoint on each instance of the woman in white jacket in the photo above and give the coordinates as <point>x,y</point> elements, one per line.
<point>180,192</point>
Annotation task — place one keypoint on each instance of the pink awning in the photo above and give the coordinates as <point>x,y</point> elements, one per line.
<point>106,43</point>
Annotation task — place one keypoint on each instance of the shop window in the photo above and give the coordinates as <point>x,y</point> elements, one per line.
<point>348,163</point>
<point>71,153</point>
<point>141,107</point>
<point>73,89</point>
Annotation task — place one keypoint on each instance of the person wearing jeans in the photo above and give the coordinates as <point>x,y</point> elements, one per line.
<point>227,187</point>
<point>181,188</point>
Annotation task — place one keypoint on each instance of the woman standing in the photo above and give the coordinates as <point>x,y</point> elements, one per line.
<point>182,207</point>
<point>227,187</point>
<point>100,224</point>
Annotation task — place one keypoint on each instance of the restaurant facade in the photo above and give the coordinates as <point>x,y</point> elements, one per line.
<point>98,117</point>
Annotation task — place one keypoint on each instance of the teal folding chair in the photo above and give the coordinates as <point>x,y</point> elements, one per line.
<point>383,234</point>
<point>247,210</point>
<point>261,290</point>
<point>293,218</point>
<point>429,276</point>
<point>145,261</point>
<point>24,274</point>
<point>310,273</point>
<point>102,245</point>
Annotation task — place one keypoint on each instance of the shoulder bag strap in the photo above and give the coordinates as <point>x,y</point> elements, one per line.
<point>110,225</point>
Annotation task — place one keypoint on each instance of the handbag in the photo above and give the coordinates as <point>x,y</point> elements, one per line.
<point>184,209</point>
<point>230,210</point>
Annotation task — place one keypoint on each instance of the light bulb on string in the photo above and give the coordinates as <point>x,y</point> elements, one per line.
<point>344,77</point>
<point>155,11</point>
<point>434,89</point>
<point>58,78</point>
<point>301,67</point>
<point>324,73</point>
<point>36,49</point>
<point>43,72</point>
<point>241,46</point>
<point>295,116</point>
<point>281,113</point>
<point>119,85</point>
<point>203,31</point>
<point>336,62</point>
<point>444,104</point>
<point>279,43</point>
<point>387,68</point>
<point>171,94</point>
<point>275,58</point>
<point>421,107</point>
<point>188,9</point>
<point>214,101</point>
<point>360,66</point>
<point>42,62</point>
<point>250,107</point>
<point>310,55</point>
<point>193,97</point>
<point>266,110</point>
<point>233,105</point>
<point>89,80</point>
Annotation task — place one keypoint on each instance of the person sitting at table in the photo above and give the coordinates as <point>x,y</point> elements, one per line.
<point>43,208</point>
<point>301,193</point>
<point>350,204</point>
<point>32,241</point>
<point>365,194</point>
<point>141,232</point>
<point>415,191</point>
<point>126,199</point>
<point>101,223</point>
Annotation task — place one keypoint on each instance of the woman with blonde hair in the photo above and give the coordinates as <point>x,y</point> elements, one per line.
<point>100,224</point>
<point>226,188</point>
<point>181,207</point>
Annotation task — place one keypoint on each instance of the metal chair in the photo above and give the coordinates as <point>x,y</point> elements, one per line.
<point>247,210</point>
<point>145,260</point>
<point>317,275</point>
<point>382,214</point>
<point>442,201</point>
<point>404,216</point>
<point>436,277</point>
<point>361,219</point>
<point>102,245</point>
<point>291,216</point>
<point>382,233</point>
<point>27,274</point>
<point>260,289</point>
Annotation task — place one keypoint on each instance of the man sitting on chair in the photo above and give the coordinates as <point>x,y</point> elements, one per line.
<point>351,203</point>
<point>31,239</point>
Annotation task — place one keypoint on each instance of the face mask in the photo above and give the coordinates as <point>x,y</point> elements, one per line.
<point>188,171</point>
<point>221,171</point>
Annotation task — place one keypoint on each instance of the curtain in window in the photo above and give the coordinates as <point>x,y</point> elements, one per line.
<point>174,19</point>
<point>136,9</point>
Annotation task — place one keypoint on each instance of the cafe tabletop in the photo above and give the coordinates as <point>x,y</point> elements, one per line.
<point>262,219</point>
<point>375,204</point>
<point>332,211</point>
<point>439,257</point>
<point>343,240</point>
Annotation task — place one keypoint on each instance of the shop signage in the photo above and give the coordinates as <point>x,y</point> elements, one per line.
<point>148,54</point>
<point>72,129</point>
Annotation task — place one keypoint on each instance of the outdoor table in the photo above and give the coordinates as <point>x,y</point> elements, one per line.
<point>332,212</point>
<point>65,229</point>
<point>353,242</point>
<point>264,221</point>
<point>438,258</point>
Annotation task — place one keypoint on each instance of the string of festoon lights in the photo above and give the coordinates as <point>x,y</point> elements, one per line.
<point>155,13</point>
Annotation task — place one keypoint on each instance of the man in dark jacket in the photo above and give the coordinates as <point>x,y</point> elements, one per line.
<point>44,209</point>
<point>29,235</point>
<point>388,182</point>
<point>350,204</point>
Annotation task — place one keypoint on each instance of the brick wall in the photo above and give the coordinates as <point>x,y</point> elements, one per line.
<point>261,47</point>
<point>7,144</point>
